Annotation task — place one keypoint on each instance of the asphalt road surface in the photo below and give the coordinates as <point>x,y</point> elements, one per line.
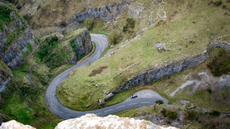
<point>65,113</point>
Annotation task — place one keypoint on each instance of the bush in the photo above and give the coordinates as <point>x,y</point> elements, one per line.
<point>131,22</point>
<point>191,114</point>
<point>29,47</point>
<point>18,7</point>
<point>164,112</point>
<point>5,14</point>
<point>209,90</point>
<point>159,102</point>
<point>88,23</point>
<point>125,28</point>
<point>23,53</point>
<point>214,113</point>
<point>172,115</point>
<point>72,43</point>
<point>220,64</point>
<point>114,37</point>
<point>43,51</point>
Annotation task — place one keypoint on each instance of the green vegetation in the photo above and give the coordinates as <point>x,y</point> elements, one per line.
<point>11,38</point>
<point>88,23</point>
<point>4,67</point>
<point>130,24</point>
<point>5,14</point>
<point>35,41</point>
<point>29,47</point>
<point>72,43</point>
<point>114,37</point>
<point>23,53</point>
<point>159,102</point>
<point>42,52</point>
<point>209,90</point>
<point>221,63</point>
<point>1,27</point>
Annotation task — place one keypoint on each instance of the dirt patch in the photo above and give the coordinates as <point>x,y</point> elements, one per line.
<point>97,71</point>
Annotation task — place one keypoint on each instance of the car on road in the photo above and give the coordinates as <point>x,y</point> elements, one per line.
<point>104,36</point>
<point>133,96</point>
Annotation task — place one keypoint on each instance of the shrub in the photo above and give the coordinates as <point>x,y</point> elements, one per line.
<point>159,102</point>
<point>214,113</point>
<point>72,43</point>
<point>43,51</point>
<point>220,64</point>
<point>125,28</point>
<point>209,90</point>
<point>164,112</point>
<point>18,7</point>
<point>172,115</point>
<point>114,37</point>
<point>29,47</point>
<point>23,53</point>
<point>191,114</point>
<point>4,14</point>
<point>88,23</point>
<point>131,22</point>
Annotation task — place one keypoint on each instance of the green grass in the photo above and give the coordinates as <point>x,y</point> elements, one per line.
<point>23,53</point>
<point>29,47</point>
<point>4,67</point>
<point>11,38</point>
<point>35,41</point>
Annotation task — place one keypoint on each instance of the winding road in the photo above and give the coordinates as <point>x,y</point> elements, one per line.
<point>65,113</point>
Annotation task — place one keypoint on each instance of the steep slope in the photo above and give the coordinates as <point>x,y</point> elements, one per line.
<point>182,35</point>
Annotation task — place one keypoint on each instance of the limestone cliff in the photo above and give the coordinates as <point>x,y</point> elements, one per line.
<point>81,45</point>
<point>16,43</point>
<point>16,38</point>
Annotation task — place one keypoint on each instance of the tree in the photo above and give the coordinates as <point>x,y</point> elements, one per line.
<point>114,37</point>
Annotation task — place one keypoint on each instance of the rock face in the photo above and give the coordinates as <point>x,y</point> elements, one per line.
<point>91,121</point>
<point>15,125</point>
<point>151,75</point>
<point>14,37</point>
<point>106,13</point>
<point>83,45</point>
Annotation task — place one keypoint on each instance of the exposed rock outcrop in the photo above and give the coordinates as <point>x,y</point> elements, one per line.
<point>14,37</point>
<point>153,74</point>
<point>15,125</point>
<point>83,45</point>
<point>91,121</point>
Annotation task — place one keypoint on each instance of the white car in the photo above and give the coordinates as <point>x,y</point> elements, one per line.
<point>104,36</point>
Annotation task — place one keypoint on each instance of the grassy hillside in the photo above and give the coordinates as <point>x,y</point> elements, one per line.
<point>189,25</point>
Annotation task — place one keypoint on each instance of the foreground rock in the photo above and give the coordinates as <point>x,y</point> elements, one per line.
<point>14,125</point>
<point>91,121</point>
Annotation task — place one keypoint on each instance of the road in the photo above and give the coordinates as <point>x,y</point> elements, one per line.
<point>65,113</point>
